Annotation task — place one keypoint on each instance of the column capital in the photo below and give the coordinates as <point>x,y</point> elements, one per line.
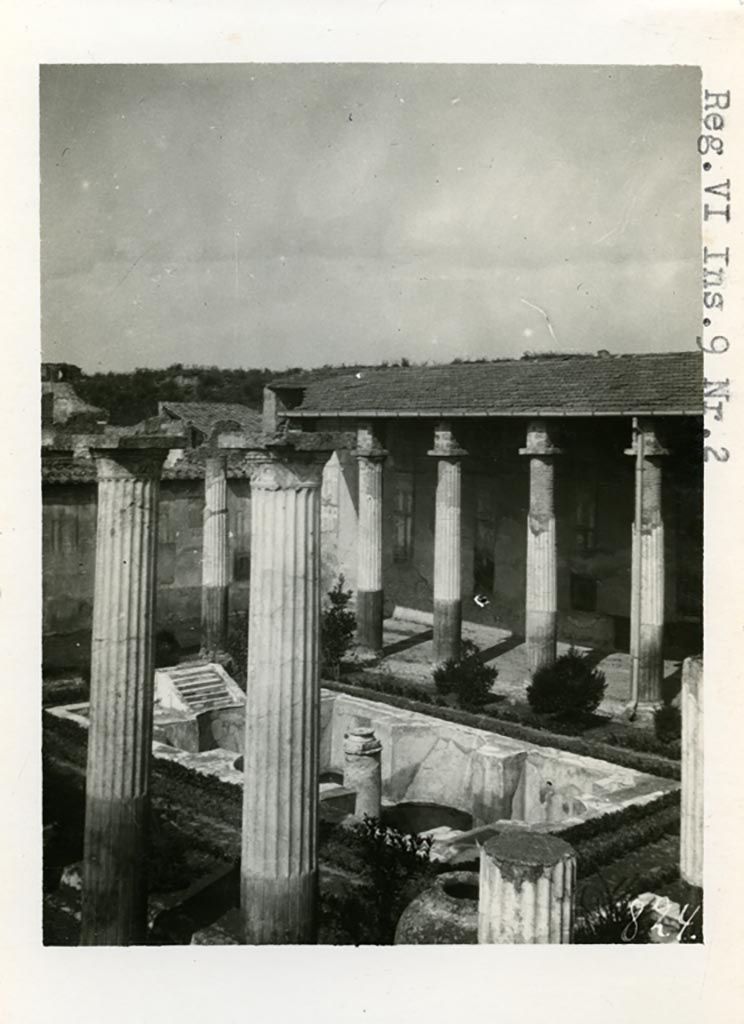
<point>652,446</point>
<point>288,470</point>
<point>371,454</point>
<point>539,441</point>
<point>286,460</point>
<point>369,444</point>
<point>133,456</point>
<point>445,443</point>
<point>216,461</point>
<point>362,742</point>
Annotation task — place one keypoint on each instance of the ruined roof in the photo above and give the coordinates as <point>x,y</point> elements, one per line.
<point>58,468</point>
<point>67,406</point>
<point>669,383</point>
<point>205,416</point>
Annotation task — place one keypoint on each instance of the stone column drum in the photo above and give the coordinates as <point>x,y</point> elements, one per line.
<point>527,882</point>
<point>369,599</point>
<point>541,618</point>
<point>447,545</point>
<point>280,797</point>
<point>362,771</point>
<point>114,903</point>
<point>691,826</point>
<point>215,581</point>
<point>647,575</point>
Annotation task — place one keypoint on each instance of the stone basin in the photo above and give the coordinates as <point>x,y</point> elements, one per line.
<point>437,776</point>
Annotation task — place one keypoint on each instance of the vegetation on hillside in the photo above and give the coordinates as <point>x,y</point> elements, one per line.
<point>133,396</point>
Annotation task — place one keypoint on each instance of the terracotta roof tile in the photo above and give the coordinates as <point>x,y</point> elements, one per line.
<point>661,383</point>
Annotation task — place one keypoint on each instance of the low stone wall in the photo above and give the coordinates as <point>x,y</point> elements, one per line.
<point>425,759</point>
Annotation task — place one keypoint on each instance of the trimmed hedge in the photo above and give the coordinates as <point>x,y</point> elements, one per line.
<point>652,764</point>
<point>622,838</point>
<point>633,739</point>
<point>205,810</point>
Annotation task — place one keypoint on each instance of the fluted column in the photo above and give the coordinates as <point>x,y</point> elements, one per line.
<point>369,599</point>
<point>541,613</point>
<point>114,906</point>
<point>215,583</point>
<point>280,858</point>
<point>691,825</point>
<point>527,882</point>
<point>363,771</point>
<point>447,545</point>
<point>647,573</point>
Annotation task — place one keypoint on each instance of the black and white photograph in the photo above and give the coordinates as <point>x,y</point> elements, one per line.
<point>372,434</point>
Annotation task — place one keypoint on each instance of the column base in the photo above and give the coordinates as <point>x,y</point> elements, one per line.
<point>369,613</point>
<point>541,630</point>
<point>447,630</point>
<point>114,910</point>
<point>279,911</point>
<point>642,712</point>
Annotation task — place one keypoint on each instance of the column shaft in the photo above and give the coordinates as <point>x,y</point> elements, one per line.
<point>647,575</point>
<point>692,822</point>
<point>541,612</point>
<point>369,598</point>
<point>363,772</point>
<point>215,577</point>
<point>114,909</point>
<point>526,889</point>
<point>279,858</point>
<point>447,545</point>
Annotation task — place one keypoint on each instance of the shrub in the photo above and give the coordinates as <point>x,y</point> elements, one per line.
<point>668,723</point>
<point>390,868</point>
<point>337,627</point>
<point>237,647</point>
<point>167,649</point>
<point>468,677</point>
<point>570,687</point>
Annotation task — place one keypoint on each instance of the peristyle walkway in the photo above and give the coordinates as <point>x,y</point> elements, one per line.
<point>408,655</point>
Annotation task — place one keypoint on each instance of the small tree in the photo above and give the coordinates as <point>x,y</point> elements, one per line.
<point>237,647</point>
<point>337,628</point>
<point>570,687</point>
<point>468,677</point>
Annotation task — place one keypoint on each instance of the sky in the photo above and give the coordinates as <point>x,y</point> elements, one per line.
<point>246,215</point>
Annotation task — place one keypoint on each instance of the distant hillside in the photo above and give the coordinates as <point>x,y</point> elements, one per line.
<point>134,396</point>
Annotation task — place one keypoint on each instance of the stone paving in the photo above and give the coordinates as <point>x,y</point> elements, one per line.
<point>408,654</point>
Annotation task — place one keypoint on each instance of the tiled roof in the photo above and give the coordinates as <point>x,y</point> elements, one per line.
<point>56,469</point>
<point>206,415</point>
<point>664,383</point>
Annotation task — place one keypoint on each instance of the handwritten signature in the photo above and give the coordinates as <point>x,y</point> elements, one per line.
<point>668,920</point>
